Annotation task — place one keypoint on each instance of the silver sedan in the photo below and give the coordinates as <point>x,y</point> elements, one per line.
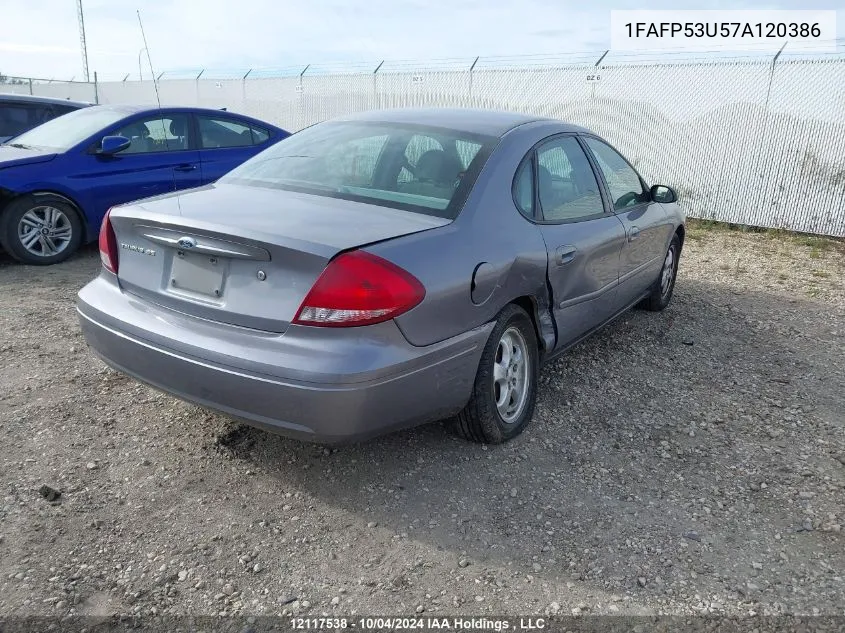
<point>383,270</point>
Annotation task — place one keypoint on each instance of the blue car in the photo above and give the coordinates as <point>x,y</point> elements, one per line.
<point>58,180</point>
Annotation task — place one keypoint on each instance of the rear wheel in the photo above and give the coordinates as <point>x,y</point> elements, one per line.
<point>664,286</point>
<point>41,231</point>
<point>505,389</point>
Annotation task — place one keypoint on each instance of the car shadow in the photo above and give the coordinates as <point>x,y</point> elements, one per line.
<point>643,463</point>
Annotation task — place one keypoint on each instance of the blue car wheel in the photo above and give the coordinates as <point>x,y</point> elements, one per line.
<point>40,230</point>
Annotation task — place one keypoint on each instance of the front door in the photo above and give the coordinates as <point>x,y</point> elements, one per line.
<point>159,160</point>
<point>583,239</point>
<point>647,225</point>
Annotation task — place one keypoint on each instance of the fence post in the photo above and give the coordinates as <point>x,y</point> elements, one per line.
<point>96,89</point>
<point>600,59</point>
<point>375,84</point>
<point>471,68</point>
<point>764,137</point>
<point>243,85</point>
<point>30,85</point>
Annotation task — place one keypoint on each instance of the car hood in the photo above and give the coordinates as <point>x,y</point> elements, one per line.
<point>16,156</point>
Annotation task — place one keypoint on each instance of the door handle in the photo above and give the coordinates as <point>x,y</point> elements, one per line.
<point>185,167</point>
<point>565,254</point>
<point>633,233</point>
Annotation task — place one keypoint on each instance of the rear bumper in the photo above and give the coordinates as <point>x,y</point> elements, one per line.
<point>326,385</point>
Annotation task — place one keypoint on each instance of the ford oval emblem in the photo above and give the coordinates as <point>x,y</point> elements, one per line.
<point>186,242</point>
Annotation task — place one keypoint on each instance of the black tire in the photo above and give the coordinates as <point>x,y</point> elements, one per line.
<point>481,420</point>
<point>66,231</point>
<point>661,296</point>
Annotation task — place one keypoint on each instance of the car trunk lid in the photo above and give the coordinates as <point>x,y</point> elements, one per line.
<point>244,255</point>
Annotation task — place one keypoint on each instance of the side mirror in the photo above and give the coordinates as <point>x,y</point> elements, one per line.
<point>111,145</point>
<point>664,194</point>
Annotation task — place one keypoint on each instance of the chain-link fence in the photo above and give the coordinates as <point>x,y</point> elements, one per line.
<point>73,90</point>
<point>754,141</point>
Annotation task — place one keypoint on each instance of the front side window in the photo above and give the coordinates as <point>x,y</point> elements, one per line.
<point>416,168</point>
<point>156,134</point>
<point>568,189</point>
<point>626,188</point>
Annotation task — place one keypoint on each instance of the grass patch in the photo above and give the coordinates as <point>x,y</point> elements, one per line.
<point>822,274</point>
<point>817,244</point>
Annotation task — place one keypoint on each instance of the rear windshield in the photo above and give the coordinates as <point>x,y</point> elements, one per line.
<point>416,168</point>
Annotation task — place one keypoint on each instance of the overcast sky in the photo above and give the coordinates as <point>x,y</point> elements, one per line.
<point>41,38</point>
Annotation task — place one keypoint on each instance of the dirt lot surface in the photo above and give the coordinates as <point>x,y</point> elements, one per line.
<point>684,462</point>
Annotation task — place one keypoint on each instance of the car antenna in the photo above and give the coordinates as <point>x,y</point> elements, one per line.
<point>158,99</point>
<point>149,59</point>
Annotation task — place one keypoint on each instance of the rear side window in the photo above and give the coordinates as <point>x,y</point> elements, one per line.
<point>568,189</point>
<point>259,135</point>
<point>523,188</point>
<point>217,133</point>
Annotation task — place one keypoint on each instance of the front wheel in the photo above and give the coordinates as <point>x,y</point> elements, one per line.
<point>505,389</point>
<point>41,231</point>
<point>664,286</point>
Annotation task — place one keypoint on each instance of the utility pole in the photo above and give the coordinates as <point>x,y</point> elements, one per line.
<point>82,43</point>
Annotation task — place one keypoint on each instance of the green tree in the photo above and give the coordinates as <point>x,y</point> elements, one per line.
<point>10,80</point>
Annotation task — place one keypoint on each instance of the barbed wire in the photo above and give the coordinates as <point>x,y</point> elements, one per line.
<point>817,50</point>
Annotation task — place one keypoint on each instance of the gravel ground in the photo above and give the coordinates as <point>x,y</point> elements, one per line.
<point>686,462</point>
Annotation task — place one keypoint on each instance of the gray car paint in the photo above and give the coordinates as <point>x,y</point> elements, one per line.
<point>472,267</point>
<point>298,233</point>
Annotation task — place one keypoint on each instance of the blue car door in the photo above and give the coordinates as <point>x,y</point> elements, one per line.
<point>161,158</point>
<point>225,142</point>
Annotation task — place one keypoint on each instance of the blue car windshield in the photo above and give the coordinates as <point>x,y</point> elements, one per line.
<point>417,168</point>
<point>70,129</point>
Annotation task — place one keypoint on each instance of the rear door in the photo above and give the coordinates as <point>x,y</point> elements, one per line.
<point>160,159</point>
<point>583,238</point>
<point>225,142</point>
<point>647,226</point>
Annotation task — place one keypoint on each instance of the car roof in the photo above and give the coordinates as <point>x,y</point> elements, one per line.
<point>34,99</point>
<point>134,108</point>
<point>474,121</point>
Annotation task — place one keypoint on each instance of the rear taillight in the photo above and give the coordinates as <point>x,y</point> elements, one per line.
<point>358,288</point>
<point>108,244</point>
